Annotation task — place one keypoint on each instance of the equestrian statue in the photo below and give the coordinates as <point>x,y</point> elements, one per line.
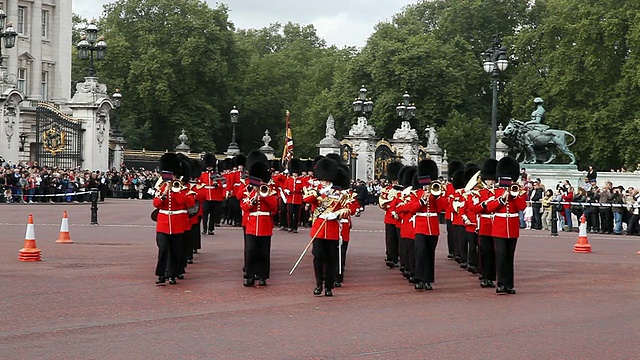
<point>535,142</point>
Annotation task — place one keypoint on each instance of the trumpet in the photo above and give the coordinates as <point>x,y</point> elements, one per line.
<point>435,188</point>
<point>514,190</point>
<point>264,190</point>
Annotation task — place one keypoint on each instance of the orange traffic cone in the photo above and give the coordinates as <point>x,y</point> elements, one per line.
<point>582,245</point>
<point>30,252</point>
<point>64,237</point>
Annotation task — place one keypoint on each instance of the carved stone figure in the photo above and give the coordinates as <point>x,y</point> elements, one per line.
<point>535,144</point>
<point>362,128</point>
<point>432,136</point>
<point>405,132</point>
<point>9,119</point>
<point>330,131</point>
<point>266,139</point>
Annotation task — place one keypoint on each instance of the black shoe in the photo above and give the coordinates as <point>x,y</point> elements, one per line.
<point>487,284</point>
<point>248,282</point>
<point>419,286</point>
<point>204,232</point>
<point>295,231</point>
<point>172,281</point>
<point>389,263</point>
<point>337,284</point>
<point>406,274</point>
<point>161,281</point>
<point>472,269</point>
<point>458,259</point>
<point>450,256</point>
<point>428,286</point>
<point>328,292</point>
<point>189,261</point>
<point>195,251</point>
<point>211,232</point>
<point>464,265</point>
<point>317,290</point>
<point>181,277</point>
<point>501,290</point>
<point>262,282</point>
<point>412,280</point>
<point>290,230</point>
<point>511,291</point>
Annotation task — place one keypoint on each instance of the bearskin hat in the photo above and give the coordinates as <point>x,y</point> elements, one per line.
<point>488,170</point>
<point>325,169</point>
<point>316,159</point>
<point>256,156</point>
<point>469,171</point>
<point>240,160</point>
<point>427,172</point>
<point>508,167</point>
<point>295,166</point>
<point>407,176</point>
<point>392,170</point>
<point>276,165</point>
<point>454,166</point>
<point>308,165</point>
<point>342,178</point>
<point>186,165</point>
<point>209,160</point>
<point>259,173</point>
<point>457,179</point>
<point>196,169</point>
<point>334,157</point>
<point>171,162</point>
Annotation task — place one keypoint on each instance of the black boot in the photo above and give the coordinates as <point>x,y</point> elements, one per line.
<point>317,290</point>
<point>161,280</point>
<point>248,282</point>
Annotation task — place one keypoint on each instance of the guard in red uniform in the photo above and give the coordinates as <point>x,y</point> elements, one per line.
<point>459,234</point>
<point>426,206</point>
<point>454,166</point>
<point>330,207</point>
<point>259,204</point>
<point>406,217</point>
<point>469,217</point>
<point>239,161</point>
<point>509,201</point>
<point>172,202</point>
<point>196,214</point>
<point>485,222</point>
<point>212,183</point>
<point>387,202</point>
<point>293,189</point>
<point>342,183</point>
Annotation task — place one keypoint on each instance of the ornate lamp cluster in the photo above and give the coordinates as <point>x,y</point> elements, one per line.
<point>90,43</point>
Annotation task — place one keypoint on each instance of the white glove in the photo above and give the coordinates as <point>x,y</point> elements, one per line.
<point>286,171</point>
<point>324,190</point>
<point>331,216</point>
<point>287,191</point>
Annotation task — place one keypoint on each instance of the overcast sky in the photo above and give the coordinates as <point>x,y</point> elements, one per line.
<point>339,22</point>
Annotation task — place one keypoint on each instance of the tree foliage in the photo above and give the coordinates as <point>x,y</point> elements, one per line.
<point>182,64</point>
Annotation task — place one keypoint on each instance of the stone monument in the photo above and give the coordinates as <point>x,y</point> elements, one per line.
<point>266,149</point>
<point>363,137</point>
<point>183,147</point>
<point>405,141</point>
<point>329,145</point>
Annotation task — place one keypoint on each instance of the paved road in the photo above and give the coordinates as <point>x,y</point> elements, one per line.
<point>96,299</point>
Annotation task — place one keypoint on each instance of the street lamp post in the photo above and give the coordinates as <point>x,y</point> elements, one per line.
<point>89,44</point>
<point>9,33</point>
<point>361,105</point>
<point>495,61</point>
<point>233,146</point>
<point>405,109</point>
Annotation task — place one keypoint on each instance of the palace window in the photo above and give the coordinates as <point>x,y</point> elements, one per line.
<point>44,86</point>
<point>45,24</point>
<point>22,80</point>
<point>22,20</point>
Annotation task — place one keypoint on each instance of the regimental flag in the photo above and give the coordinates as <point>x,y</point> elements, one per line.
<point>287,152</point>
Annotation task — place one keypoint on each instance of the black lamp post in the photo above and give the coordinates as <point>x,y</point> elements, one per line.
<point>405,109</point>
<point>361,105</point>
<point>117,98</point>
<point>23,140</point>
<point>233,146</point>
<point>89,44</point>
<point>9,34</point>
<point>495,60</point>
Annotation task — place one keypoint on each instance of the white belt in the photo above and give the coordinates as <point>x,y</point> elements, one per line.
<point>260,213</point>
<point>173,212</point>
<point>486,216</point>
<point>210,187</point>
<point>344,221</point>
<point>427,214</point>
<point>506,215</point>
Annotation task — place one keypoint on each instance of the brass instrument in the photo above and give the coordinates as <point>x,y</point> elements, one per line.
<point>515,190</point>
<point>474,184</point>
<point>264,190</point>
<point>435,188</point>
<point>387,197</point>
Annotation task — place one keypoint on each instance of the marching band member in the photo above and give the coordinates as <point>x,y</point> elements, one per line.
<point>198,191</point>
<point>172,202</point>
<point>293,189</point>
<point>457,201</point>
<point>509,200</point>
<point>426,203</point>
<point>407,232</point>
<point>387,202</point>
<point>342,183</point>
<point>213,189</point>
<point>331,206</point>
<point>469,217</point>
<point>453,166</point>
<point>259,204</point>
<point>239,161</point>
<point>485,221</point>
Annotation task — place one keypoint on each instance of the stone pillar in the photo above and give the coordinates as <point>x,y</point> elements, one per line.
<point>36,51</point>
<point>405,141</point>
<point>183,147</point>
<point>433,149</point>
<point>502,149</point>
<point>91,105</point>
<point>363,138</point>
<point>10,126</point>
<point>266,149</point>
<point>329,145</point>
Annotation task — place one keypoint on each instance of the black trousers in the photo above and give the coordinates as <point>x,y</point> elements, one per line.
<point>168,254</point>
<point>283,219</point>
<point>343,251</point>
<point>461,240</point>
<point>632,228</point>
<point>210,215</point>
<point>450,237</point>
<point>402,254</point>
<point>593,219</point>
<point>325,261</point>
<point>487,257</point>
<point>505,253</point>
<point>425,253</point>
<point>472,248</point>
<point>606,220</point>
<point>391,242</point>
<point>294,215</point>
<point>536,219</point>
<point>186,247</point>
<point>410,255</point>
<point>235,214</point>
<point>258,256</point>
